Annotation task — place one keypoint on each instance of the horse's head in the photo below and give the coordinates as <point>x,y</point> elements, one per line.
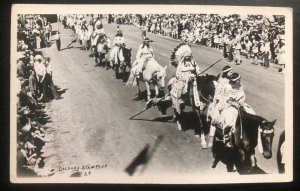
<point>160,76</point>
<point>207,85</point>
<point>266,131</point>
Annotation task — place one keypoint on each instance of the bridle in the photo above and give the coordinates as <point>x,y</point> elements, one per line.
<point>266,131</point>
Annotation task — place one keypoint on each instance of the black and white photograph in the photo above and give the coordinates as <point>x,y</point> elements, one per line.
<point>159,94</point>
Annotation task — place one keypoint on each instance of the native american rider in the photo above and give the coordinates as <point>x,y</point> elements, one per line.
<point>118,42</point>
<point>232,99</point>
<point>144,54</point>
<point>187,70</point>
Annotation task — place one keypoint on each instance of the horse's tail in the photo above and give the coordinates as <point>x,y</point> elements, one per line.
<point>131,79</point>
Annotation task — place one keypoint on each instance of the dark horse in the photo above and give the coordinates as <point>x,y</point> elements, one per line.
<point>123,64</point>
<point>100,52</point>
<point>206,91</point>
<point>244,140</point>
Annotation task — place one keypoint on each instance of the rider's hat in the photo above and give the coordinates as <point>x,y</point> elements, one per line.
<point>227,68</point>
<point>234,77</point>
<point>148,40</point>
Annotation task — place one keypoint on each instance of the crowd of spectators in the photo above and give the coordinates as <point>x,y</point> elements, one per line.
<point>33,32</point>
<point>34,88</point>
<point>257,37</point>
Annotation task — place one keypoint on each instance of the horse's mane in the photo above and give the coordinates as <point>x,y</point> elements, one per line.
<point>256,118</point>
<point>156,66</point>
<point>206,86</point>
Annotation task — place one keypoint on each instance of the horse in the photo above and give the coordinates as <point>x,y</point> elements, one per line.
<point>280,153</point>
<point>251,131</point>
<point>123,62</point>
<point>152,73</point>
<point>102,48</point>
<point>205,90</point>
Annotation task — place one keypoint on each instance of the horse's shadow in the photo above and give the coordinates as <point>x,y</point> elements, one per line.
<point>257,170</point>
<point>189,121</point>
<point>60,91</point>
<point>143,95</point>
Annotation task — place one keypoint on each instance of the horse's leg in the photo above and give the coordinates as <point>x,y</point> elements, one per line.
<point>116,70</point>
<point>240,161</point>
<point>252,161</point>
<point>124,73</point>
<point>138,87</point>
<point>216,161</point>
<point>148,90</point>
<point>200,129</point>
<point>177,118</point>
<point>211,135</point>
<point>95,57</point>
<point>156,91</point>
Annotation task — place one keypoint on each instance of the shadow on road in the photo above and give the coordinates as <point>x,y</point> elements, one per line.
<point>143,158</point>
<point>143,95</point>
<point>166,119</point>
<point>61,91</point>
<point>189,121</point>
<point>257,170</point>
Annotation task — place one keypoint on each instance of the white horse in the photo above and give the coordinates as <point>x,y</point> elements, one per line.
<point>153,73</point>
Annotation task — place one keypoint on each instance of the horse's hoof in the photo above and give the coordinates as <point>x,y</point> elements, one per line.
<point>250,169</point>
<point>179,126</point>
<point>204,146</point>
<point>231,169</point>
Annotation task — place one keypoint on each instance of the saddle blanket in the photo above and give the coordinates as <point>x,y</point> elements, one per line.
<point>227,117</point>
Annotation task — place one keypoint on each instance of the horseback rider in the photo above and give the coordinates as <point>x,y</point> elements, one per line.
<point>187,70</point>
<point>219,92</point>
<point>118,42</point>
<point>143,55</point>
<point>233,99</point>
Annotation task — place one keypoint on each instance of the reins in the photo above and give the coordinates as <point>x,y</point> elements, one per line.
<point>241,136</point>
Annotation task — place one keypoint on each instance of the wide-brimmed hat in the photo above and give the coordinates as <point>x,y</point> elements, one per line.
<point>148,40</point>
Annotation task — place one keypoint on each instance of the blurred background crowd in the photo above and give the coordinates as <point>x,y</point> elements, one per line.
<point>257,37</point>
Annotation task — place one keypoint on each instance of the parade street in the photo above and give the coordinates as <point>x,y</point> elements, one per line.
<point>90,124</point>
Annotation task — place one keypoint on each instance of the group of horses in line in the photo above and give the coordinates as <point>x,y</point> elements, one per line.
<point>251,130</point>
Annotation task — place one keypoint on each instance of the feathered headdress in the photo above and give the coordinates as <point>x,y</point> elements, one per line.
<point>180,52</point>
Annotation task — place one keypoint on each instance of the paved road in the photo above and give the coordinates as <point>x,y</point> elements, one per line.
<point>90,124</point>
